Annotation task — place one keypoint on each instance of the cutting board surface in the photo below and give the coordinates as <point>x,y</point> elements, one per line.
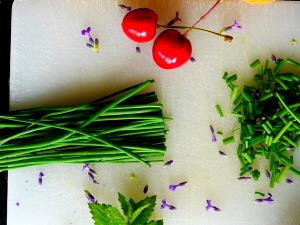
<point>50,65</point>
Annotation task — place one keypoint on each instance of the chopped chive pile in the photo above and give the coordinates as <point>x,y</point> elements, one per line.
<point>269,117</point>
<point>124,127</point>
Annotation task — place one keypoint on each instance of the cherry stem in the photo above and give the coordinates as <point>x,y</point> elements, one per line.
<point>203,17</point>
<point>228,37</point>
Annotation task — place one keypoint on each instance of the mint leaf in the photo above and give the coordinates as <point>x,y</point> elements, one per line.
<point>132,203</point>
<point>126,206</point>
<point>106,215</point>
<point>143,210</point>
<point>158,222</point>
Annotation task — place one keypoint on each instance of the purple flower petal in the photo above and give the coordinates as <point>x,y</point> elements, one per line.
<point>91,176</point>
<point>268,175</point>
<point>235,25</point>
<point>289,181</point>
<point>91,40</point>
<point>168,163</point>
<point>128,8</point>
<point>90,172</point>
<point>173,187</point>
<point>274,59</point>
<point>164,205</point>
<point>213,136</point>
<point>89,45</point>
<point>90,197</point>
<point>268,199</point>
<point>88,30</point>
<point>40,180</point>
<point>210,206</point>
<point>83,32</point>
<point>17,203</point>
<point>138,49</point>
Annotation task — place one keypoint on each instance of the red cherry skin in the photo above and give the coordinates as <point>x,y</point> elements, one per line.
<point>140,25</point>
<point>171,49</point>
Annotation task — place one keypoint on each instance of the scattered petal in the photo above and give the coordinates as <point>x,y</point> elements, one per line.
<point>90,197</point>
<point>210,206</point>
<point>91,40</point>
<point>164,205</point>
<point>40,180</point>
<point>274,59</point>
<point>268,175</point>
<point>17,203</point>
<point>213,136</point>
<point>138,49</point>
<point>174,20</point>
<point>90,172</point>
<point>244,178</point>
<point>235,25</point>
<point>289,181</point>
<point>222,153</point>
<point>173,187</point>
<point>168,163</point>
<point>268,199</point>
<point>146,188</point>
<point>192,59</point>
<point>93,44</point>
<point>128,8</point>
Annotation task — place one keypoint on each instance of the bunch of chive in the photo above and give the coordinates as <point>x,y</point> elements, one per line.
<point>123,127</point>
<point>269,114</point>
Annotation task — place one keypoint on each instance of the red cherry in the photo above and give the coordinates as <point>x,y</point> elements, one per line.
<point>171,49</point>
<point>140,24</point>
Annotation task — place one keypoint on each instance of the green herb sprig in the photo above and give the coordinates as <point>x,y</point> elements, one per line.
<point>269,116</point>
<point>136,213</point>
<point>123,127</point>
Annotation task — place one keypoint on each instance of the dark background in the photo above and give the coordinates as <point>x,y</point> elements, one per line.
<point>5,24</point>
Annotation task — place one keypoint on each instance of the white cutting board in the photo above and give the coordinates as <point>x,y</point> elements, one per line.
<point>50,65</point>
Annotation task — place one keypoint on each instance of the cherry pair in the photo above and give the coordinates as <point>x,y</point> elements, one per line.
<point>170,50</point>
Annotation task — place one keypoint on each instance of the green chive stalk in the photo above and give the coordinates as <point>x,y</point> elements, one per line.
<point>124,127</point>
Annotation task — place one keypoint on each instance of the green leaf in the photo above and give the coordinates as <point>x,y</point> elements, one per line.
<point>158,222</point>
<point>126,206</point>
<point>106,215</point>
<point>132,203</point>
<point>143,210</point>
